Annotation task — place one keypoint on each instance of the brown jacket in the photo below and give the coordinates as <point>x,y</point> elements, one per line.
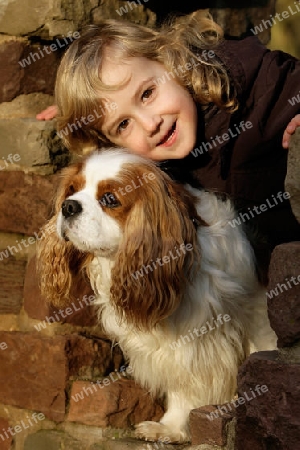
<point>249,165</point>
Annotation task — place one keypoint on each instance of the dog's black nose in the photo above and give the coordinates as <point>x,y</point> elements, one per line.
<point>70,208</point>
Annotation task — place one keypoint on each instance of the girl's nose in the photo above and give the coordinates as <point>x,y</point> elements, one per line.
<point>151,122</point>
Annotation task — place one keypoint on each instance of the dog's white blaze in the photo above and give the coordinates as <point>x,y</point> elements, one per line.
<point>107,166</point>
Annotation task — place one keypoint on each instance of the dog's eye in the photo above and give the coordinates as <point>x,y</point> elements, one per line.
<point>109,200</point>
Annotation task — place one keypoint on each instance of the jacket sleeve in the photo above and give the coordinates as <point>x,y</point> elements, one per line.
<point>270,83</point>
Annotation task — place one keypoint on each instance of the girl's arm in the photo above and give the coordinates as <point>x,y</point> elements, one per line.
<point>290,129</point>
<point>48,113</point>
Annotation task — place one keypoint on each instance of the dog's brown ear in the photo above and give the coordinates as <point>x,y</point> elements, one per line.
<point>158,251</point>
<point>59,267</point>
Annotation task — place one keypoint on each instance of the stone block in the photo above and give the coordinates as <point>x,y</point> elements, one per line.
<point>39,67</point>
<point>34,370</point>
<point>28,138</point>
<point>283,293</point>
<point>135,444</point>
<point>92,358</point>
<point>52,440</point>
<point>12,273</point>
<point>133,11</point>
<point>24,106</point>
<point>25,196</point>
<point>21,17</point>
<point>26,68</point>
<point>270,420</point>
<point>11,72</point>
<point>292,181</point>
<point>5,442</point>
<point>209,424</point>
<point>239,17</point>
<point>117,403</point>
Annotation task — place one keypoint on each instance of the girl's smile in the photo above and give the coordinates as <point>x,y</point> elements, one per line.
<point>155,116</point>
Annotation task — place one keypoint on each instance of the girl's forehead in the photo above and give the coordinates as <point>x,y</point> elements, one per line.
<point>115,72</point>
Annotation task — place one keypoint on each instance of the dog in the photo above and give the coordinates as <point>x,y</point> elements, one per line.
<point>175,283</point>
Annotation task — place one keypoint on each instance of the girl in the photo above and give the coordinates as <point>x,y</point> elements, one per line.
<point>214,113</point>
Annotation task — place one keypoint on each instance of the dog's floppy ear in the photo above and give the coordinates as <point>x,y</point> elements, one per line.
<point>59,264</point>
<point>59,267</point>
<point>158,251</point>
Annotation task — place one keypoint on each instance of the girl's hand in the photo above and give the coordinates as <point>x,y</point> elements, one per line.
<point>48,113</point>
<point>290,129</point>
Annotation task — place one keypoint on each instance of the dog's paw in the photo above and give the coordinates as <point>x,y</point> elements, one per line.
<point>156,431</point>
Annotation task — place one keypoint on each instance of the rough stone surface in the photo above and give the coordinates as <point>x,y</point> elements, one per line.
<point>5,443</point>
<point>81,313</point>
<point>271,420</point>
<point>26,68</point>
<point>51,18</point>
<point>33,144</point>
<point>25,106</point>
<point>12,271</point>
<point>119,404</point>
<point>206,429</point>
<point>91,358</point>
<point>238,19</point>
<point>39,66</point>
<point>40,384</point>
<point>27,138</point>
<point>11,72</point>
<point>284,306</point>
<point>52,440</point>
<point>292,181</point>
<point>25,201</point>
<point>21,17</point>
<point>134,444</point>
<point>134,12</point>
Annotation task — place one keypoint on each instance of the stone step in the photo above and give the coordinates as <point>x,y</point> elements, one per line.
<point>55,440</point>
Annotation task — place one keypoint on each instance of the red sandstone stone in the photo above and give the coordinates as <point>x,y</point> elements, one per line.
<point>208,425</point>
<point>33,373</point>
<point>35,368</point>
<point>284,306</point>
<point>12,271</point>
<point>25,201</point>
<point>272,419</point>
<point>11,72</point>
<point>119,403</point>
<point>5,442</point>
<point>40,74</point>
<point>92,357</point>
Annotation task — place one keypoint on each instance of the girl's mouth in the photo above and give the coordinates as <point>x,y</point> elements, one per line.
<point>170,137</point>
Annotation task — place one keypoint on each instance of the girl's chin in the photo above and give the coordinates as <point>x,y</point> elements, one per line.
<point>177,154</point>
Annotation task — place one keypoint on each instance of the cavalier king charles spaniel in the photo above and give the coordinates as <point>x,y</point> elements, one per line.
<point>175,281</point>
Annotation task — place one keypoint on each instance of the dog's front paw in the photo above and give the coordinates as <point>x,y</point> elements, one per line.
<point>156,431</point>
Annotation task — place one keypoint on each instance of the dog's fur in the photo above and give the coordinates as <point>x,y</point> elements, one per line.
<point>151,315</point>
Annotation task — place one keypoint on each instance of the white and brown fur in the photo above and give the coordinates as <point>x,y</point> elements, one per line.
<point>145,316</point>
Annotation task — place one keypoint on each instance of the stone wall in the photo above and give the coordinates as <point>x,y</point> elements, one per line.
<point>61,383</point>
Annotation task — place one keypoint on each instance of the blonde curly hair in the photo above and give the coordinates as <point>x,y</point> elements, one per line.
<point>173,45</point>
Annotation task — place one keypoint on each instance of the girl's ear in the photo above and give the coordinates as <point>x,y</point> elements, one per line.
<point>157,254</point>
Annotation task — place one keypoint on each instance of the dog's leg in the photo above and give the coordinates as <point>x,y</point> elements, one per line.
<point>173,427</point>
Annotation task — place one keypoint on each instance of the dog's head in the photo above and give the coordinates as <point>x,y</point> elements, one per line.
<point>122,206</point>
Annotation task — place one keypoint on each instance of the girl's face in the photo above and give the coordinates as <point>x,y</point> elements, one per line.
<point>155,116</point>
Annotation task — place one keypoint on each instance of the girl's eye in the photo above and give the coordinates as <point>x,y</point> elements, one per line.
<point>147,93</point>
<point>123,125</point>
